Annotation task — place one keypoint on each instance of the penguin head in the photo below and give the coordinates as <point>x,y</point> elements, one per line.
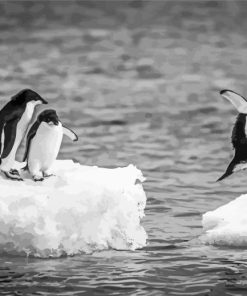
<point>27,95</point>
<point>49,116</point>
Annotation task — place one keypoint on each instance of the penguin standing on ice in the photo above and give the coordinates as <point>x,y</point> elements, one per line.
<point>239,134</point>
<point>43,143</point>
<point>15,117</point>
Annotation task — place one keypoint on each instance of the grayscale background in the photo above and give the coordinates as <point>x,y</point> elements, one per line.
<point>139,82</point>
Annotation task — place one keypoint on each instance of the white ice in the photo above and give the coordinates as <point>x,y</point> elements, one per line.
<point>227,225</point>
<point>80,210</point>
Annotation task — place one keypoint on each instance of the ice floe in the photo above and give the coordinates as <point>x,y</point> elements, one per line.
<point>227,225</point>
<point>80,210</point>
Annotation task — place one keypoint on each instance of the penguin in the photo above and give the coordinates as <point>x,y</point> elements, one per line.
<point>239,133</point>
<point>43,143</point>
<point>15,117</point>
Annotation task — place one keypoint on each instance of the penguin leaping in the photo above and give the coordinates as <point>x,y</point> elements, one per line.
<point>239,134</point>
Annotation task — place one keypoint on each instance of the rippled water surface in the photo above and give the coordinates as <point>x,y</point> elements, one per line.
<point>138,81</point>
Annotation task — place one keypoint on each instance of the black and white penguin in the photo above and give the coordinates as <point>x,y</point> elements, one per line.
<point>239,134</point>
<point>15,117</point>
<point>43,143</point>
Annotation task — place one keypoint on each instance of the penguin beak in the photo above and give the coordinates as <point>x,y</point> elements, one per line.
<point>43,101</point>
<point>55,122</point>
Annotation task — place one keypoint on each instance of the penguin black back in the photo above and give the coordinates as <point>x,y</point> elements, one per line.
<point>239,142</point>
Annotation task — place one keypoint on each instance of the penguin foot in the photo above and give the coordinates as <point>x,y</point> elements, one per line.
<point>38,178</point>
<point>13,174</point>
<point>47,175</point>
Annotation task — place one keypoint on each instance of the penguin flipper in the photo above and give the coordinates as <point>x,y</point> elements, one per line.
<point>234,166</point>
<point>9,115</point>
<point>30,135</point>
<point>9,136</point>
<point>238,101</point>
<point>228,171</point>
<point>69,133</point>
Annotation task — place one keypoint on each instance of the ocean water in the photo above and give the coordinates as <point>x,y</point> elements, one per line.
<point>139,82</point>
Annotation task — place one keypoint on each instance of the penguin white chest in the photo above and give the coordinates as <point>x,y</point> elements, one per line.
<point>24,122</point>
<point>45,146</point>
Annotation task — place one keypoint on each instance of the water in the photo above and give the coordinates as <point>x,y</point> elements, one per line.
<point>138,81</point>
